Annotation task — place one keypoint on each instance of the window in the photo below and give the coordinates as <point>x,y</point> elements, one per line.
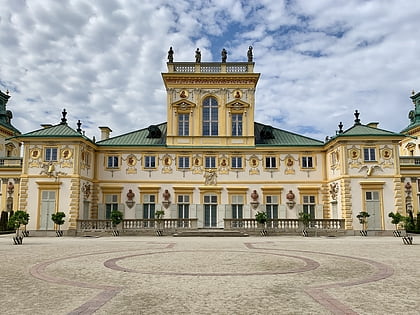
<point>307,162</point>
<point>270,162</point>
<point>210,162</point>
<point>309,205</point>
<point>150,161</point>
<point>149,209</point>
<point>111,204</point>
<point>237,209</point>
<point>183,162</point>
<point>183,124</point>
<point>210,117</point>
<point>237,125</point>
<point>112,161</point>
<point>236,162</point>
<point>51,154</point>
<point>271,207</point>
<point>369,154</point>
<point>183,210</point>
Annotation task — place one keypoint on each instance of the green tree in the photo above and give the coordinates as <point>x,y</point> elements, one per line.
<point>58,218</point>
<point>396,219</point>
<point>17,219</point>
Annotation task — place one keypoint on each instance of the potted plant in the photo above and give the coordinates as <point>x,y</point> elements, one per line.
<point>16,220</point>
<point>58,219</point>
<point>362,216</point>
<point>116,218</point>
<point>396,219</point>
<point>261,218</point>
<point>305,218</point>
<point>159,216</point>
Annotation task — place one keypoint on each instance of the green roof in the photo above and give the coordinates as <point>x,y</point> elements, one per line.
<point>359,130</point>
<point>270,136</point>
<point>57,131</point>
<point>278,137</point>
<point>137,138</point>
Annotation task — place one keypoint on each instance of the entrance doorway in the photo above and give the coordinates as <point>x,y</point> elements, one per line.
<point>210,211</point>
<point>373,207</point>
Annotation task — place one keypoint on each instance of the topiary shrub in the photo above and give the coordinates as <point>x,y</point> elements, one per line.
<point>58,218</point>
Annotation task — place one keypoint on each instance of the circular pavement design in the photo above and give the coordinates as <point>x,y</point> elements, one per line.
<point>260,261</point>
<point>221,264</point>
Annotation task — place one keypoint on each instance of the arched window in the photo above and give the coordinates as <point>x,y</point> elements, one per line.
<point>210,117</point>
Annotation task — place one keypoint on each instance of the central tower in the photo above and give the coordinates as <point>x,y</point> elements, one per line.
<point>210,104</point>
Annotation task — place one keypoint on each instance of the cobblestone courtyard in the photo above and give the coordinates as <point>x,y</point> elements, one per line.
<point>243,275</point>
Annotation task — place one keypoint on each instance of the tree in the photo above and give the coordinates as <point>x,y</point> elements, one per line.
<point>58,219</point>
<point>305,218</point>
<point>116,218</point>
<point>16,220</point>
<point>396,219</point>
<point>362,216</point>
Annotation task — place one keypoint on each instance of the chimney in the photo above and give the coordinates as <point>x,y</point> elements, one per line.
<point>373,124</point>
<point>105,132</point>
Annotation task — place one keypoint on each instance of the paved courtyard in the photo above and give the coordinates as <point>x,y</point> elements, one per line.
<point>241,275</point>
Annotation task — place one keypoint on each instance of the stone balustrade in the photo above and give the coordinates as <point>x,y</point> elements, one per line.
<point>211,67</point>
<point>276,225</point>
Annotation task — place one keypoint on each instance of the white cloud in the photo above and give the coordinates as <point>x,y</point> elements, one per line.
<point>102,60</point>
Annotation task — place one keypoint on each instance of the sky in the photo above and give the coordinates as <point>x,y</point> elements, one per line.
<point>102,60</point>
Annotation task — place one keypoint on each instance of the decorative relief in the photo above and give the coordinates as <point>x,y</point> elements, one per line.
<point>86,190</point>
<point>254,162</point>
<point>334,191</point>
<point>49,170</point>
<point>34,157</point>
<point>66,159</point>
<point>131,161</point>
<point>197,167</point>
<point>130,196</point>
<point>167,162</point>
<point>290,196</point>
<point>183,94</point>
<point>289,162</point>
<point>386,159</point>
<point>370,169</point>
<point>210,178</point>
<point>237,94</point>
<point>335,159</point>
<point>223,165</point>
<point>85,158</point>
<point>354,157</point>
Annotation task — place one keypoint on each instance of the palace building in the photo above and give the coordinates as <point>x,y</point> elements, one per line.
<point>210,165</point>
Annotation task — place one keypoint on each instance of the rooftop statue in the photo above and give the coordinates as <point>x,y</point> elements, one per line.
<point>170,55</point>
<point>250,54</point>
<point>198,56</point>
<point>224,55</point>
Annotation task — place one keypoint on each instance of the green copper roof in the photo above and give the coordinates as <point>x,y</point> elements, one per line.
<point>270,136</point>
<point>60,130</point>
<point>414,115</point>
<point>359,130</point>
<point>137,138</point>
<point>6,115</point>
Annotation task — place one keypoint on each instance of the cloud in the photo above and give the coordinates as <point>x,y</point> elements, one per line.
<point>102,60</point>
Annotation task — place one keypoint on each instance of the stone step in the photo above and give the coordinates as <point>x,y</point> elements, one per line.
<point>210,233</point>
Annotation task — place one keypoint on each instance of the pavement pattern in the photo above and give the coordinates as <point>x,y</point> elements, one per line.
<point>209,275</point>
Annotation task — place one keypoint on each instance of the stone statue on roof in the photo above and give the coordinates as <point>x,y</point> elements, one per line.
<point>170,55</point>
<point>198,56</point>
<point>249,54</point>
<point>224,55</point>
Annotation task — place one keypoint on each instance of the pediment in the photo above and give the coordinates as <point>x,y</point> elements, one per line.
<point>237,105</point>
<point>183,105</point>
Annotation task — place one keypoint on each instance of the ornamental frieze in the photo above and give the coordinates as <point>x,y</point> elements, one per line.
<point>206,81</point>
